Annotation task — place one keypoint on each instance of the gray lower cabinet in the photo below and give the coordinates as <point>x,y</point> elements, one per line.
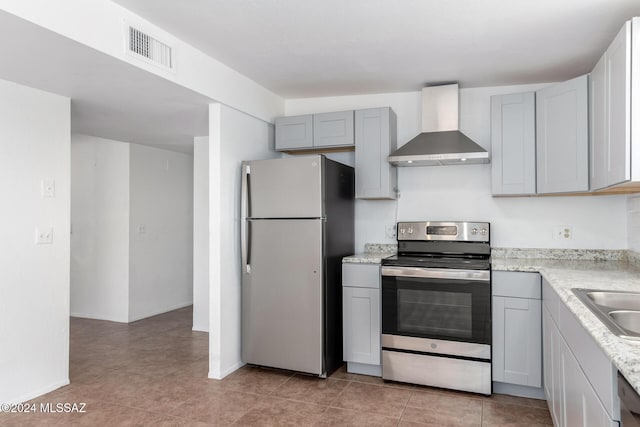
<point>361,312</point>
<point>294,132</point>
<point>562,137</point>
<point>517,329</point>
<point>376,138</point>
<point>513,144</point>
<point>579,380</point>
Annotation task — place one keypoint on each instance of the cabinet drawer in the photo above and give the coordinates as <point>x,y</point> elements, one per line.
<point>361,275</point>
<point>516,284</point>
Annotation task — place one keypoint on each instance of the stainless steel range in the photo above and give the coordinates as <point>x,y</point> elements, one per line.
<point>436,306</point>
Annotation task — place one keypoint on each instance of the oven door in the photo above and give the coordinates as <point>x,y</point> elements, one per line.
<point>438,304</point>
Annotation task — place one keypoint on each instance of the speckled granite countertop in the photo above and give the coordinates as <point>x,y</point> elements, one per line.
<point>373,254</point>
<point>565,274</point>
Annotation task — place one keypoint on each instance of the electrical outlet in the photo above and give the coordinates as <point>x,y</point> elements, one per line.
<point>142,229</point>
<point>563,232</point>
<point>44,236</point>
<point>390,231</point>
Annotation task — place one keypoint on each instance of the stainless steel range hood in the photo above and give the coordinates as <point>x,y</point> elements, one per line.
<point>440,143</point>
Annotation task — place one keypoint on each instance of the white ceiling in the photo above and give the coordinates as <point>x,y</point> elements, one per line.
<point>306,48</point>
<point>302,48</point>
<point>109,98</point>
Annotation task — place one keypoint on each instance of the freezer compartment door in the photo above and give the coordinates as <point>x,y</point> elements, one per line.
<point>282,295</point>
<point>285,188</point>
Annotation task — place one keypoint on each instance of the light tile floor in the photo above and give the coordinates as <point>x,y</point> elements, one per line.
<point>154,372</point>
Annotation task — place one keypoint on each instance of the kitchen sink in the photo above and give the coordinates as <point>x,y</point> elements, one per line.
<point>619,300</point>
<point>618,310</point>
<point>629,320</point>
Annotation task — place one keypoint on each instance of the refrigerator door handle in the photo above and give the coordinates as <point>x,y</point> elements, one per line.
<point>245,230</point>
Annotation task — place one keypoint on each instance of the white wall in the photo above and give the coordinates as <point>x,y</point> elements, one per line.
<point>201,234</point>
<point>161,254</point>
<point>34,280</point>
<point>100,25</point>
<point>633,222</point>
<point>464,192</point>
<point>100,228</point>
<point>234,137</point>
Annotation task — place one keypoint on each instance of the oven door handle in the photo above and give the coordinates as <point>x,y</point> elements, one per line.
<point>437,273</point>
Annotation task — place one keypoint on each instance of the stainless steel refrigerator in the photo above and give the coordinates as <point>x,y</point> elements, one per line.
<point>297,224</point>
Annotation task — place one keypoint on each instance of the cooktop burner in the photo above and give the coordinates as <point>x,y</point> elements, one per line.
<point>436,261</point>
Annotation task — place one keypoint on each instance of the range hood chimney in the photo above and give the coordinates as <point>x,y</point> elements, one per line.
<point>440,143</point>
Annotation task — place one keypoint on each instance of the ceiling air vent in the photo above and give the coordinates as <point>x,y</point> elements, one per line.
<point>153,50</point>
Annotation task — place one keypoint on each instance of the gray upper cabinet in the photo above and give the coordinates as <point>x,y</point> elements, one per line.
<point>562,137</point>
<point>333,129</point>
<point>597,126</point>
<point>513,144</point>
<point>611,98</point>
<point>376,138</point>
<point>294,132</point>
<point>315,131</point>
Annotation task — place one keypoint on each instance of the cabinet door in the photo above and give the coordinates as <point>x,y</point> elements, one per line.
<point>333,129</point>
<point>375,135</point>
<point>598,125</point>
<point>552,368</point>
<point>581,404</point>
<point>618,108</point>
<point>295,132</point>
<point>513,144</point>
<point>562,142</point>
<point>517,341</point>
<point>361,325</point>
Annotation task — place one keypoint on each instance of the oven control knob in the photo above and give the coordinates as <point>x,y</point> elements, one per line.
<point>483,231</point>
<point>474,231</point>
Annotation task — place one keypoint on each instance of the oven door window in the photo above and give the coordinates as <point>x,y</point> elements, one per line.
<point>433,312</point>
<point>458,310</point>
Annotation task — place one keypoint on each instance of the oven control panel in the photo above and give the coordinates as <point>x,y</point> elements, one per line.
<point>440,230</point>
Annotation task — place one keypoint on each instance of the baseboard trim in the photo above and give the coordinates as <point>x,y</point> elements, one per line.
<point>96,317</point>
<point>518,390</point>
<point>239,364</point>
<point>44,390</point>
<point>364,369</point>
<point>159,311</point>
<point>200,328</point>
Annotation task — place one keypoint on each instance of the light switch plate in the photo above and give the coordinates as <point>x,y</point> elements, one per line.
<point>48,187</point>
